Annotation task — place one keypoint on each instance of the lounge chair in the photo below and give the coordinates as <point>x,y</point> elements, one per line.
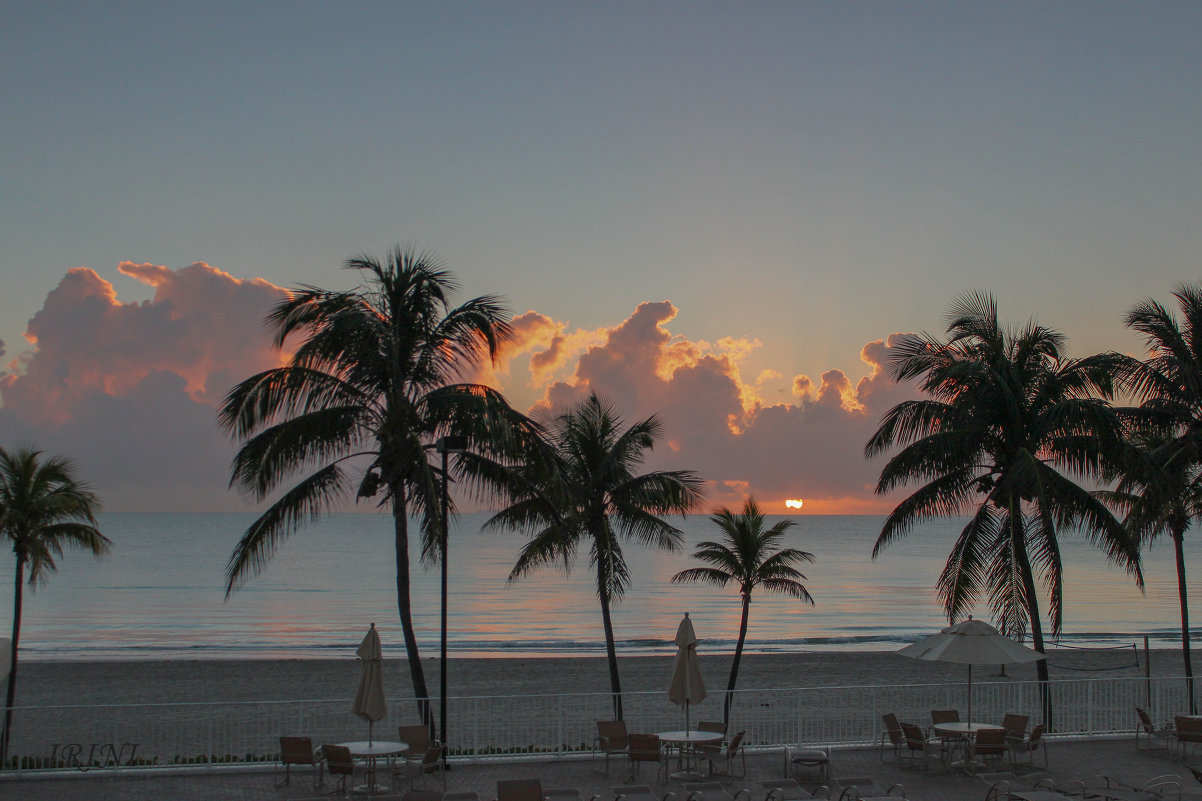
<point>565,794</point>
<point>817,758</point>
<point>892,737</point>
<point>790,790</point>
<point>611,739</point>
<point>298,751</point>
<point>713,791</point>
<point>519,790</point>
<point>1152,732</point>
<point>862,788</point>
<point>422,795</point>
<point>638,792</point>
<point>417,771</point>
<point>920,748</point>
<point>722,758</point>
<point>1107,788</point>
<point>646,748</point>
<point>1028,747</point>
<point>1188,731</point>
<point>340,763</point>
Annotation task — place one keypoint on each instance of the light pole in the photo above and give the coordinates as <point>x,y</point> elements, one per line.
<point>446,446</point>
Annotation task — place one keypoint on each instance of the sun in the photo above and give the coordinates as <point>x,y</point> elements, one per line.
<point>793,503</point>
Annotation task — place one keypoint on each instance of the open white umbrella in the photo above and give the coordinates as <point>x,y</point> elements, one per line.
<point>687,687</point>
<point>970,642</point>
<point>370,703</point>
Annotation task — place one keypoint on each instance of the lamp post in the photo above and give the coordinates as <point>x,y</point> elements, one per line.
<point>446,446</point>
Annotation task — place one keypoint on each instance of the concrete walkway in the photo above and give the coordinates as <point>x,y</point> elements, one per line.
<point>1115,757</point>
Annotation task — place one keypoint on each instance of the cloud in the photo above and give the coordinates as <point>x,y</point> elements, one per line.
<point>129,389</point>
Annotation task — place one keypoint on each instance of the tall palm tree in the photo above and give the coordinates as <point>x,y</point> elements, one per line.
<point>361,403</point>
<point>1169,385</point>
<point>746,558</point>
<point>582,487</point>
<point>1007,412</point>
<point>1160,491</point>
<point>44,508</point>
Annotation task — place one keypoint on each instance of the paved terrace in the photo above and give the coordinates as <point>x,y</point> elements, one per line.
<point>1069,759</point>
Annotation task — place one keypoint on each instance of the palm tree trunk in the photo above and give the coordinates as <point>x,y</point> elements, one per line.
<point>1019,543</point>
<point>405,608</point>
<point>734,666</point>
<point>611,653</point>
<point>11,696</point>
<point>1179,552</point>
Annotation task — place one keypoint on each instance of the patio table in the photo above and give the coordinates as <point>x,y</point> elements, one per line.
<point>371,751</point>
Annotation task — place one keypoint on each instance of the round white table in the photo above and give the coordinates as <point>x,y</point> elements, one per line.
<point>966,731</point>
<point>371,751</point>
<point>684,738</point>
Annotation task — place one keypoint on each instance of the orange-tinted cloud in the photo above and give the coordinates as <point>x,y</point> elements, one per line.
<point>130,389</point>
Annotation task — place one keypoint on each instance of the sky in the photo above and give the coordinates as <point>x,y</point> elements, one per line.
<point>719,213</point>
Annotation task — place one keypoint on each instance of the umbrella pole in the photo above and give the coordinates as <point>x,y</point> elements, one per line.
<point>369,735</point>
<point>970,693</point>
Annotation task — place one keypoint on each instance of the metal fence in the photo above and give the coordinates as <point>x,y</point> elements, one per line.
<point>107,736</point>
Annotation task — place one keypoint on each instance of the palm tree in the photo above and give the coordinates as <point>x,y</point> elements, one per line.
<point>581,486</point>
<point>1169,385</point>
<point>365,396</point>
<point>44,508</point>
<point>1160,491</point>
<point>1007,413</point>
<point>746,557</point>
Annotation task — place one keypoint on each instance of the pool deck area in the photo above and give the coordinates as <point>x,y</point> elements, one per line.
<point>1068,759</point>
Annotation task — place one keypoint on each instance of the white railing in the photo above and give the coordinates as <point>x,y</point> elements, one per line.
<point>84,737</point>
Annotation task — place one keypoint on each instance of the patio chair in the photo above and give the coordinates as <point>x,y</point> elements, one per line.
<point>989,744</point>
<point>340,763</point>
<point>1188,731</point>
<point>646,748</point>
<point>413,772</point>
<point>1015,725</point>
<point>919,747</point>
<point>1028,747</point>
<point>892,737</point>
<point>721,759</point>
<point>611,739</point>
<point>519,790</point>
<point>950,742</point>
<point>1152,732</point>
<point>417,737</point>
<point>944,716</point>
<point>713,791</point>
<point>790,790</point>
<point>816,758</point>
<point>298,751</point>
<point>638,792</point>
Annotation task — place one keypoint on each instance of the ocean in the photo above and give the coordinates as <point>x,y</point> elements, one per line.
<point>160,594</point>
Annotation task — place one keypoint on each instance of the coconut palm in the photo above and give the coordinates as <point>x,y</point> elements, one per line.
<point>1008,424</point>
<point>746,558</point>
<point>44,508</point>
<point>582,487</point>
<point>1168,479</point>
<point>358,408</point>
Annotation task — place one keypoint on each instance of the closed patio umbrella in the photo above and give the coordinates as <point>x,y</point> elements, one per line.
<point>970,642</point>
<point>369,699</point>
<point>687,687</point>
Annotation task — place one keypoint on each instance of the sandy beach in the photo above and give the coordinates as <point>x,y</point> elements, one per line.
<point>177,681</point>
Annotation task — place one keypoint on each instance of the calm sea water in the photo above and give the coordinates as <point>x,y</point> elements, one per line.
<point>160,594</point>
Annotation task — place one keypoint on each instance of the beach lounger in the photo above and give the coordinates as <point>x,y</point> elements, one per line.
<point>800,758</point>
<point>419,795</point>
<point>713,791</point>
<point>864,788</point>
<point>790,790</point>
<point>461,795</point>
<point>298,751</point>
<point>566,794</point>
<point>1107,788</point>
<point>519,790</point>
<point>638,792</point>
<point>1152,732</point>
